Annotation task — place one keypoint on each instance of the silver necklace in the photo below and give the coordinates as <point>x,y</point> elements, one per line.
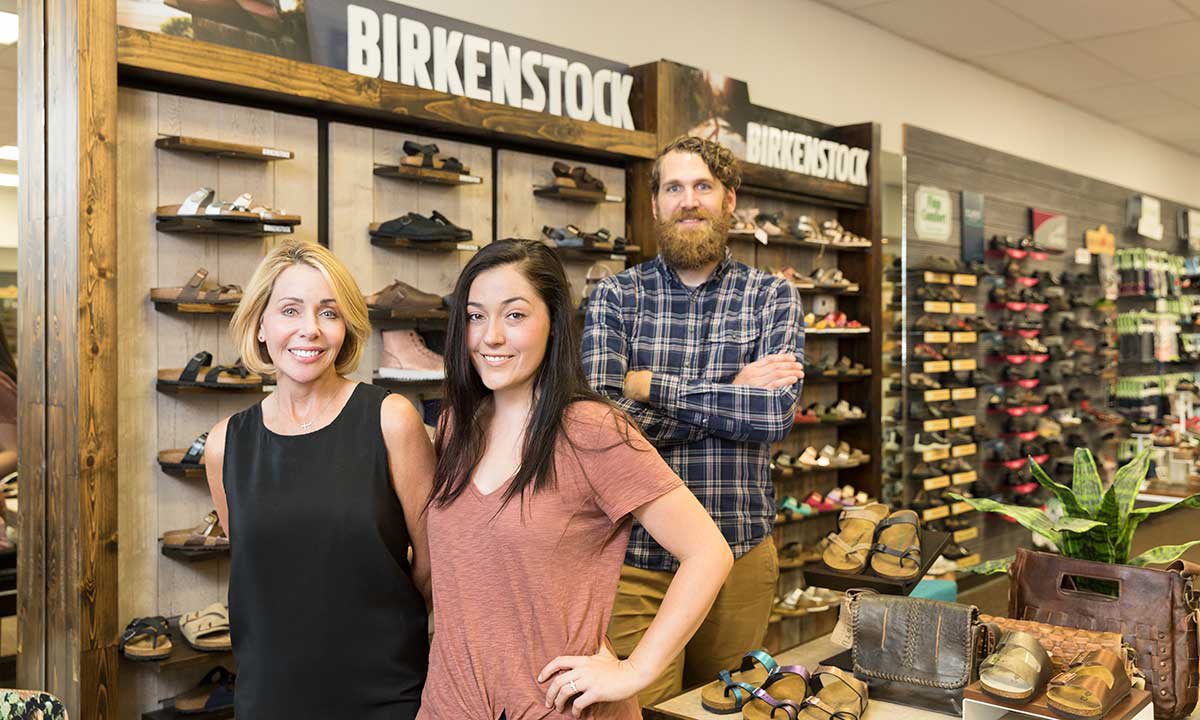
<point>310,423</point>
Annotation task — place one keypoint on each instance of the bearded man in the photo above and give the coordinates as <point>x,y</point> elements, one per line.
<point>703,351</point>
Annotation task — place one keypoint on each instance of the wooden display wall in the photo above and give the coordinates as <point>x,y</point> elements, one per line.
<point>152,502</point>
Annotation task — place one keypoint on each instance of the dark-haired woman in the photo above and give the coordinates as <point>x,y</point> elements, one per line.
<point>537,482</point>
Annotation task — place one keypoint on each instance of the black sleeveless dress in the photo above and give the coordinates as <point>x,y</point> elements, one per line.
<point>325,617</point>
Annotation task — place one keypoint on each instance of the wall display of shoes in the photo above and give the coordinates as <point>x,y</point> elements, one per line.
<point>244,176</point>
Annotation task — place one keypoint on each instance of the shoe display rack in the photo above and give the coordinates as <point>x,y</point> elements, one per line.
<point>931,439</point>
<point>181,277</point>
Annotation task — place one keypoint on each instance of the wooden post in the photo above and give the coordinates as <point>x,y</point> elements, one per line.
<point>68,353</point>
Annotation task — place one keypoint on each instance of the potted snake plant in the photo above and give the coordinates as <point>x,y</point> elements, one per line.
<point>1096,525</point>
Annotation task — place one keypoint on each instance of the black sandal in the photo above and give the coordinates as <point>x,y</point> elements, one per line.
<point>183,460</point>
<point>584,180</point>
<point>146,639</point>
<point>220,376</point>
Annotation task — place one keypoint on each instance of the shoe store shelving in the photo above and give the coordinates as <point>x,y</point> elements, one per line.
<point>196,308</point>
<point>224,225</point>
<point>396,243</point>
<point>588,197</point>
<point>222,149</point>
<point>426,175</point>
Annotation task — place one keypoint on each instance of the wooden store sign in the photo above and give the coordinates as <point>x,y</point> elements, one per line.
<point>400,44</point>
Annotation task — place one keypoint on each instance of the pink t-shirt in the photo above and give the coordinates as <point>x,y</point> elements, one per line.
<point>511,593</point>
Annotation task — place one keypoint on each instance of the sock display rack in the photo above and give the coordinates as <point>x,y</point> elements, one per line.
<point>931,438</point>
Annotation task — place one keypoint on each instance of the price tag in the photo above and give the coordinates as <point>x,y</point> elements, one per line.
<point>937,337</point>
<point>760,235</point>
<point>964,308</point>
<point>964,535</point>
<point>935,455</point>
<point>959,508</point>
<point>963,421</point>
<point>965,280</point>
<point>969,561</point>
<point>964,364</point>
<point>1100,241</point>
<point>963,450</point>
<point>936,513</point>
<point>937,395</point>
<point>618,198</point>
<point>618,258</point>
<point>963,394</point>
<point>283,229</point>
<point>469,179</point>
<point>932,306</point>
<point>938,278</point>
<point>937,366</point>
<point>964,478</point>
<point>467,247</point>
<point>937,483</point>
<point>276,153</point>
<point>1082,256</point>
<point>965,337</point>
<point>936,425</point>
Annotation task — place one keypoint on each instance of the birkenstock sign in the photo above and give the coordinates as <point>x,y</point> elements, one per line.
<point>400,44</point>
<point>786,150</point>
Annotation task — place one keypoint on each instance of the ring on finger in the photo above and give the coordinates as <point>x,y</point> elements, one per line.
<point>573,687</point>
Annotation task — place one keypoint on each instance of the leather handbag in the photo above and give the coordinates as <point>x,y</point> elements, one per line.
<point>914,651</point>
<point>1155,611</point>
<point>1063,644</point>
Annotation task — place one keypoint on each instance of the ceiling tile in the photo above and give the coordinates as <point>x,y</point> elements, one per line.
<point>1193,5</point>
<point>1184,87</point>
<point>1078,19</point>
<point>1054,69</point>
<point>1117,102</point>
<point>850,4</point>
<point>1151,53</point>
<point>963,28</point>
<point>1170,127</point>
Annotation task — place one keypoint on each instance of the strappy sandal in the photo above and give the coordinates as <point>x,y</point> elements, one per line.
<point>848,547</point>
<point>180,460</point>
<point>207,537</point>
<point>845,699</point>
<point>567,236</point>
<point>585,181</point>
<point>784,690</point>
<point>200,373</point>
<point>207,630</point>
<point>1089,686</point>
<point>562,174</point>
<point>897,550</point>
<point>1017,669</point>
<point>790,507</point>
<point>732,688</point>
<point>193,293</point>
<point>146,638</point>
<point>213,693</point>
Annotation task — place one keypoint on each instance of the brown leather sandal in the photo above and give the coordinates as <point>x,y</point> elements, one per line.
<point>848,548</point>
<point>897,550</point>
<point>194,293</point>
<point>206,537</point>
<point>1017,670</point>
<point>1089,686</point>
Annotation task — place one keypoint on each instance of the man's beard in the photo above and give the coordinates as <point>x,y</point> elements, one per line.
<point>689,248</point>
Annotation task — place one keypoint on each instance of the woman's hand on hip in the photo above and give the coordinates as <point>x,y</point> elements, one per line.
<point>589,679</point>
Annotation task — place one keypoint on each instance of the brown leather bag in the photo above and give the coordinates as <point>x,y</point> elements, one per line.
<point>1155,611</point>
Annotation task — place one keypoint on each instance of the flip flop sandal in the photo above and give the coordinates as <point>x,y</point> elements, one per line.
<point>584,180</point>
<point>207,630</point>
<point>1089,686</point>
<point>214,692</point>
<point>146,638</point>
<point>1017,669</point>
<point>204,538</point>
<point>193,293</point>
<point>192,457</point>
<point>732,688</point>
<point>841,697</point>
<point>897,550</point>
<point>848,547</point>
<point>783,692</point>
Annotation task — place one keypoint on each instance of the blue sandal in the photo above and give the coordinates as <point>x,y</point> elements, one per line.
<point>733,689</point>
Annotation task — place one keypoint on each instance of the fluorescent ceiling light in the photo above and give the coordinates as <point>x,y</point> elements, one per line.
<point>8,180</point>
<point>8,152</point>
<point>8,28</point>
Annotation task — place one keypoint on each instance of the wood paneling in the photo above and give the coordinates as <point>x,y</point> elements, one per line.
<point>196,63</point>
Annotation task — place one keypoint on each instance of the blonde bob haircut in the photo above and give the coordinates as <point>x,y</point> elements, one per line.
<point>248,317</point>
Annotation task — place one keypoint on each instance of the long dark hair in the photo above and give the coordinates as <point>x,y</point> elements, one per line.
<point>559,381</point>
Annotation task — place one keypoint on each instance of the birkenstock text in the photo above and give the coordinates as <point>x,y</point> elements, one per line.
<point>819,158</point>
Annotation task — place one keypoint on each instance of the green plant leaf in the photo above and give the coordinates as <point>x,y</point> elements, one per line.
<point>1076,525</point>
<point>1163,554</point>
<point>1032,519</point>
<point>1071,506</point>
<point>991,567</point>
<point>1192,501</point>
<point>1117,505</point>
<point>1085,482</point>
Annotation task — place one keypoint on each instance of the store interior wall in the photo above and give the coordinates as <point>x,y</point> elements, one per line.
<point>814,61</point>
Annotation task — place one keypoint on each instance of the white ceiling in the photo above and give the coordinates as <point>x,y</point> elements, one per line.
<point>1136,62</point>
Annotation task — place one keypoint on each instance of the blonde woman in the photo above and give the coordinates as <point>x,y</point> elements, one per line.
<point>320,487</point>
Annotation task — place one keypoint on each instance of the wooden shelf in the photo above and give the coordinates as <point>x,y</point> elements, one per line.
<point>425,175</point>
<point>219,148</point>
<point>186,472</point>
<point>402,318</point>
<point>395,384</point>
<point>195,308</point>
<point>195,555</point>
<point>793,241</point>
<point>241,224</point>
<point>839,331</point>
<point>171,389</point>
<point>387,241</point>
<point>593,197</point>
<point>829,290</point>
<point>598,251</point>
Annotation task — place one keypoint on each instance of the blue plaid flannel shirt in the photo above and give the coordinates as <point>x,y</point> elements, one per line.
<point>714,434</point>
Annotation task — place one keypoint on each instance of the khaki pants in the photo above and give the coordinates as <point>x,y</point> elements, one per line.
<point>737,622</point>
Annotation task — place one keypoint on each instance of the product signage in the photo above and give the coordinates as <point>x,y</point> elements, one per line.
<point>1049,229</point>
<point>716,107</point>
<point>932,214</point>
<point>972,226</point>
<point>1100,241</point>
<point>1144,214</point>
<point>1189,228</point>
<point>382,39</point>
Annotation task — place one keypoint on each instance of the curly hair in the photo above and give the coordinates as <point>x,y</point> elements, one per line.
<point>719,159</point>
